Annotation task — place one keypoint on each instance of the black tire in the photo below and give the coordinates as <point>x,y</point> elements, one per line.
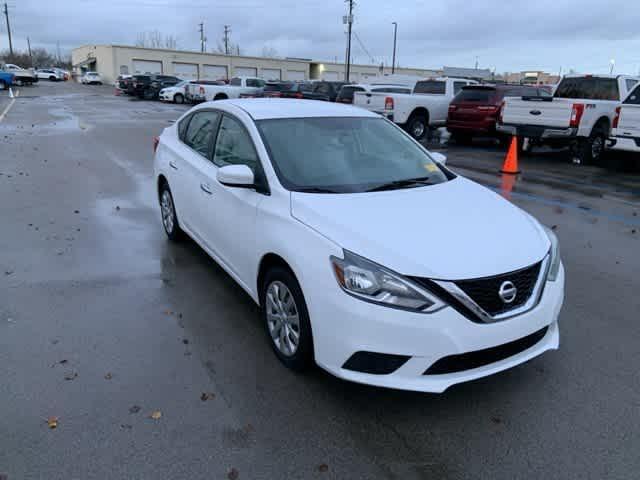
<point>172,227</point>
<point>178,98</point>
<point>418,126</point>
<point>220,96</point>
<point>462,138</point>
<point>303,358</point>
<point>3,86</point>
<point>52,78</point>
<point>590,150</point>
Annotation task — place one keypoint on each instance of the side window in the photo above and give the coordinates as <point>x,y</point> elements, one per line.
<point>322,88</point>
<point>201,131</point>
<point>234,145</point>
<point>182,127</point>
<point>253,82</point>
<point>236,82</point>
<point>457,86</point>
<point>630,84</point>
<point>634,98</point>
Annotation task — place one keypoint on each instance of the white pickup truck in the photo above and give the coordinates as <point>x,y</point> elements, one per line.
<point>203,92</point>
<point>580,114</point>
<point>22,76</point>
<point>625,134</point>
<point>426,107</point>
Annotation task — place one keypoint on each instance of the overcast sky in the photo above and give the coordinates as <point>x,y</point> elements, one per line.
<point>508,35</point>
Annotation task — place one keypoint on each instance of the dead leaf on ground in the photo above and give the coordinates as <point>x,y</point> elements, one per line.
<point>61,362</point>
<point>156,415</point>
<point>52,422</point>
<point>71,376</point>
<point>323,468</point>
<point>233,474</point>
<point>207,396</point>
<point>126,426</point>
<point>185,341</point>
<point>134,409</point>
<point>108,376</point>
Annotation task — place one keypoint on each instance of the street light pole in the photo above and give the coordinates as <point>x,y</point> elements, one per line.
<point>6,14</point>
<point>395,36</point>
<point>350,22</point>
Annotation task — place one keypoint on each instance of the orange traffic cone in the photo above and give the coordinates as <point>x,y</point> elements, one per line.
<point>510,164</point>
<point>507,184</point>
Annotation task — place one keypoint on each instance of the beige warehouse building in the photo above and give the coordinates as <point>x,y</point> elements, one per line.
<point>113,60</point>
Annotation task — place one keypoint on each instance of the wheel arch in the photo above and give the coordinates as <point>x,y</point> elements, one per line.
<point>220,96</point>
<point>603,122</point>
<point>422,111</point>
<point>268,261</point>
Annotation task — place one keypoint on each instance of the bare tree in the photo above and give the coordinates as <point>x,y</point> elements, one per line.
<point>234,48</point>
<point>269,52</point>
<point>156,39</point>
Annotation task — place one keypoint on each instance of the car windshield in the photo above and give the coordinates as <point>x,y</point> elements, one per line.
<point>181,84</point>
<point>346,155</point>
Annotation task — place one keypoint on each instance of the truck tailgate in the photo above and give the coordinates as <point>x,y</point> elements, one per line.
<point>370,101</point>
<point>629,123</point>
<point>555,113</point>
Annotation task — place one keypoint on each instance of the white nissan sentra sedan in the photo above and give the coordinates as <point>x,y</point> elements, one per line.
<point>364,252</point>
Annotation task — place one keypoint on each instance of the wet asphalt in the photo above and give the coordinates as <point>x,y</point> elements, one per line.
<point>104,325</point>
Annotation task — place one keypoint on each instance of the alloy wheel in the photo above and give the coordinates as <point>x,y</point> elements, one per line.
<point>283,319</point>
<point>168,213</point>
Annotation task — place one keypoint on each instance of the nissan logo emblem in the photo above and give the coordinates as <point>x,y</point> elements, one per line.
<point>535,112</point>
<point>507,292</point>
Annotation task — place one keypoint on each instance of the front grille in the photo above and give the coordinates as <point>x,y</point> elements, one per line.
<point>375,363</point>
<point>484,291</point>
<point>480,358</point>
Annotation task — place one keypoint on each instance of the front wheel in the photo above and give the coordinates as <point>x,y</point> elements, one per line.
<point>589,150</point>
<point>286,319</point>
<point>169,217</point>
<point>417,126</point>
<point>3,86</point>
<point>178,98</point>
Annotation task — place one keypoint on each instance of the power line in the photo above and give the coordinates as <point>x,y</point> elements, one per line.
<point>364,48</point>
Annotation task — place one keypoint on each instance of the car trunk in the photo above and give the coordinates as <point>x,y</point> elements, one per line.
<point>474,105</point>
<point>555,112</point>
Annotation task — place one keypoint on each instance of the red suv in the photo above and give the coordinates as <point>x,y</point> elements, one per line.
<point>475,110</point>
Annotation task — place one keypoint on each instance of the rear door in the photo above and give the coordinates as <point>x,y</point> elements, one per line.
<point>193,162</point>
<point>629,122</point>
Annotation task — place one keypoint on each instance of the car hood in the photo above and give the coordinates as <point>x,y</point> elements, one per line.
<point>451,231</point>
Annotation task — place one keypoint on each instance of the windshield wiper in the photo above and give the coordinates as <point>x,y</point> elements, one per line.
<point>315,190</point>
<point>397,184</point>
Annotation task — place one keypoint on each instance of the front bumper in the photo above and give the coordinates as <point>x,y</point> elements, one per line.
<point>165,97</point>
<point>343,325</point>
<point>537,131</point>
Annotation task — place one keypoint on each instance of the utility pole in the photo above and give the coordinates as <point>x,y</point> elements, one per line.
<point>395,36</point>
<point>476,63</point>
<point>202,48</point>
<point>227,31</point>
<point>29,48</point>
<point>58,51</point>
<point>6,14</point>
<point>350,22</point>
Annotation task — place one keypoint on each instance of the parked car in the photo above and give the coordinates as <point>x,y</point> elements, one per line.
<point>474,110</point>
<point>285,89</point>
<point>91,78</point>
<point>324,90</point>
<point>276,193</point>
<point>580,114</point>
<point>625,132</point>
<point>345,95</point>
<point>119,81</point>
<point>205,92</point>
<point>21,76</point>
<point>175,93</point>
<point>50,74</point>
<point>66,74</point>
<point>425,108</point>
<point>123,83</point>
<point>194,90</point>
<point>148,86</point>
<point>6,80</point>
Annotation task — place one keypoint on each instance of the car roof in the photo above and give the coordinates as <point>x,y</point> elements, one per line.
<point>271,108</point>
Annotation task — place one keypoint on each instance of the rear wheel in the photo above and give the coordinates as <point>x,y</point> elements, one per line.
<point>169,217</point>
<point>418,126</point>
<point>178,98</point>
<point>589,150</point>
<point>286,319</point>
<point>220,96</point>
<point>3,86</point>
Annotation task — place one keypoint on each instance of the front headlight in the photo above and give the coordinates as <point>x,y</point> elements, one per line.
<point>369,281</point>
<point>554,268</point>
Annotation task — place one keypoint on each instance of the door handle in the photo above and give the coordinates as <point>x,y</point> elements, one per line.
<point>206,188</point>
<point>173,165</point>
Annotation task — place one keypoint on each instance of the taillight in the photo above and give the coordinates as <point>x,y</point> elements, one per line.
<point>616,119</point>
<point>453,108</point>
<point>202,90</point>
<point>501,112</point>
<point>156,141</point>
<point>576,114</point>
<point>388,103</point>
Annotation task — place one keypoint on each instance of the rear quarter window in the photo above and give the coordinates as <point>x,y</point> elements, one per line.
<point>634,98</point>
<point>476,95</point>
<point>590,88</point>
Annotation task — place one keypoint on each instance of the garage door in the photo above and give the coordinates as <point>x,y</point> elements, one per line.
<point>271,74</point>
<point>295,75</point>
<point>146,66</point>
<point>214,72</point>
<point>331,76</point>
<point>185,71</point>
<point>245,72</point>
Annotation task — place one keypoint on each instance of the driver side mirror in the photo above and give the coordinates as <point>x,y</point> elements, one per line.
<point>439,157</point>
<point>239,176</point>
